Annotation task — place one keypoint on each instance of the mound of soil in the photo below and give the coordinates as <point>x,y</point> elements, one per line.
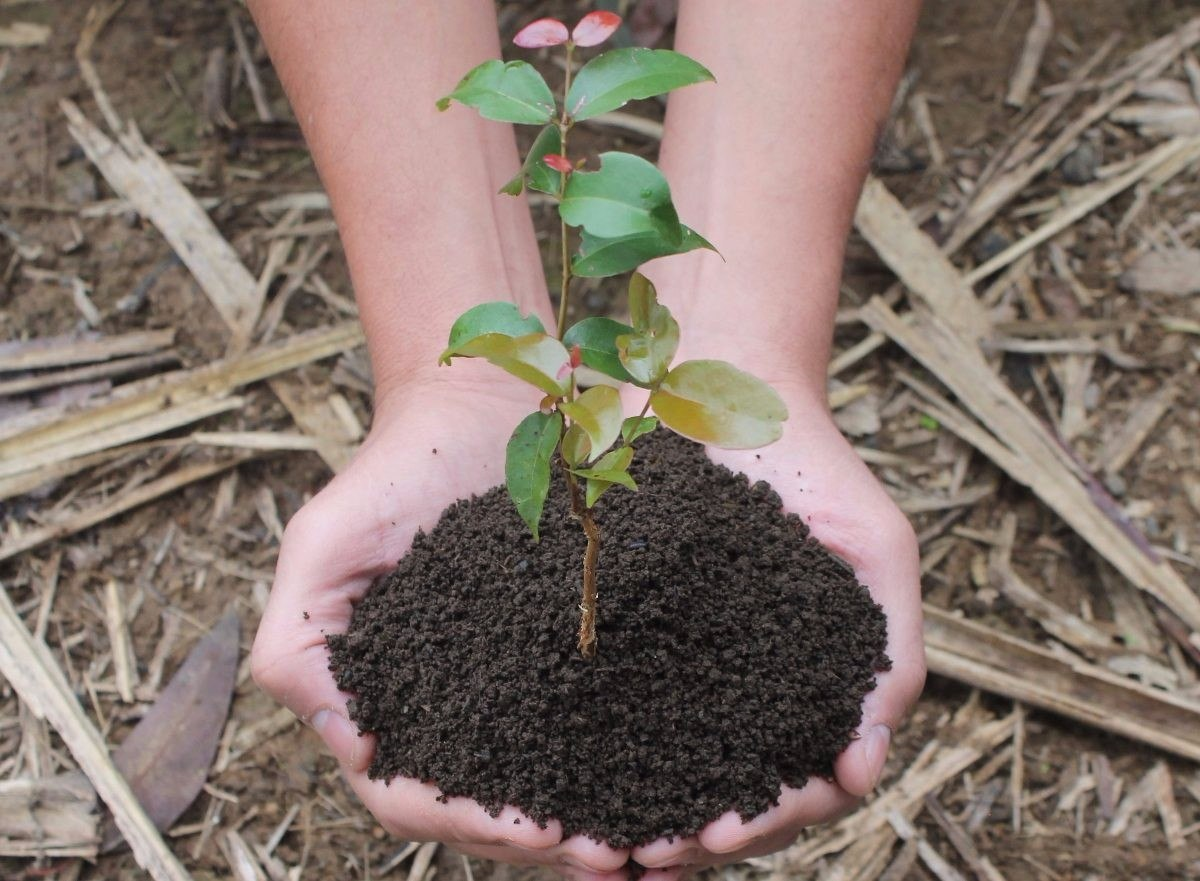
<point>733,655</point>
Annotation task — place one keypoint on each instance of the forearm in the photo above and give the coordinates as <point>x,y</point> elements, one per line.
<point>414,191</point>
<point>768,164</point>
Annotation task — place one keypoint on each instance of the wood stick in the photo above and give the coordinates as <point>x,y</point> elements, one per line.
<point>934,861</point>
<point>63,350</point>
<point>1083,203</point>
<point>262,106</point>
<point>916,260</point>
<point>1036,41</point>
<point>36,677</point>
<point>1119,449</point>
<point>947,761</point>
<point>58,378</point>
<point>140,175</point>
<point>1023,446</point>
<point>124,663</point>
<point>209,381</point>
<point>118,434</point>
<point>987,200</point>
<point>1002,664</point>
<point>147,492</point>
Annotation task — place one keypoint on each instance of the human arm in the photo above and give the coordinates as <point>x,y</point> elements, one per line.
<point>406,185</point>
<point>769,165</point>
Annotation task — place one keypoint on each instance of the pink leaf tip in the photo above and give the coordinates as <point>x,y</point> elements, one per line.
<point>595,27</point>
<point>558,162</point>
<point>543,32</point>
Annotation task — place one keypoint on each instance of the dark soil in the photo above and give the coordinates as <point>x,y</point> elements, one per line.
<point>734,654</point>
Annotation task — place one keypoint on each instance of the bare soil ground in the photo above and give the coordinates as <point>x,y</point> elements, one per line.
<point>1097,341</point>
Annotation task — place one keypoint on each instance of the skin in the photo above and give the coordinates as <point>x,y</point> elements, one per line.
<point>767,171</point>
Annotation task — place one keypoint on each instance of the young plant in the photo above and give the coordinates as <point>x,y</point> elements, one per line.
<point>624,213</point>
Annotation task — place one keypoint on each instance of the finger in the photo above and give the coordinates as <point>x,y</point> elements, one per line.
<point>587,854</point>
<point>797,808</point>
<point>511,828</point>
<point>413,810</point>
<point>893,577</point>
<point>667,852</point>
<point>329,556</point>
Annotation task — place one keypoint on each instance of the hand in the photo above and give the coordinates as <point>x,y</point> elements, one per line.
<point>819,477</point>
<point>440,438</point>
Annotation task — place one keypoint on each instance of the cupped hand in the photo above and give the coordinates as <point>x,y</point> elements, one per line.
<point>820,478</point>
<point>439,438</point>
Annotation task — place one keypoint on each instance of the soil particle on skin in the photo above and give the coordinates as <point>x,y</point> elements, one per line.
<point>733,655</point>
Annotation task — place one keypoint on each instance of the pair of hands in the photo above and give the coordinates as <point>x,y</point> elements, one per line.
<point>364,521</point>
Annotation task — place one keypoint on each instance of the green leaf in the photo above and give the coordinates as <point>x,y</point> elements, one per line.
<point>536,173</point>
<point>627,196</point>
<point>612,468</point>
<point>594,489</point>
<point>715,403</point>
<point>643,299</point>
<point>512,92</point>
<point>635,426</point>
<point>598,412</point>
<point>648,351</point>
<point>600,258</point>
<point>536,358</point>
<point>575,446</point>
<point>497,317</point>
<point>527,464</point>
<point>597,341</point>
<point>608,81</point>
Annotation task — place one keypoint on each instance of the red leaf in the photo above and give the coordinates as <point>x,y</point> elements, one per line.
<point>543,32</point>
<point>558,162</point>
<point>595,27</point>
<point>576,356</point>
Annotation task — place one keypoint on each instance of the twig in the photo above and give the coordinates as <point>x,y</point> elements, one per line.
<point>36,677</point>
<point>1036,41</point>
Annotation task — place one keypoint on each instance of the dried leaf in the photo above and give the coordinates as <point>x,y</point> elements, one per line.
<point>167,755</point>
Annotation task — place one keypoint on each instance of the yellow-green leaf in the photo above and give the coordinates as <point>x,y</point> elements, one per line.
<point>575,446</point>
<point>715,403</point>
<point>643,297</point>
<point>496,317</point>
<point>598,412</point>
<point>635,426</point>
<point>536,358</point>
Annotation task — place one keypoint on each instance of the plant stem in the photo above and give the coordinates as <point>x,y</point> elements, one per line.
<point>564,131</point>
<point>591,556</point>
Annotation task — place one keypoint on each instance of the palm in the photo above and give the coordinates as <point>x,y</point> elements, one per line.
<point>820,478</point>
<point>442,441</point>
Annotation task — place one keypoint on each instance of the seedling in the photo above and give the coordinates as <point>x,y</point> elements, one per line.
<point>625,216</point>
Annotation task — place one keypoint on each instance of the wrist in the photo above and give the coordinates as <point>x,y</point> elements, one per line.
<point>776,328</point>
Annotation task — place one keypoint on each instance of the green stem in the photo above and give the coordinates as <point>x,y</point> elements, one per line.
<point>564,131</point>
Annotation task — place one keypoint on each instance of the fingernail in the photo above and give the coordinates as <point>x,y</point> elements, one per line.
<point>319,720</point>
<point>878,739</point>
<point>339,735</point>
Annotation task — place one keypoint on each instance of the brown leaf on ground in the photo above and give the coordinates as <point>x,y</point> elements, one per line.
<point>167,755</point>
